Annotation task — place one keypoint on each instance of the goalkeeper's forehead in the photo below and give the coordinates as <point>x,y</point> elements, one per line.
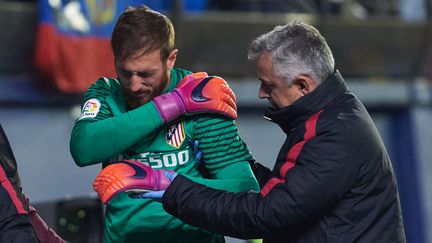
<point>135,54</point>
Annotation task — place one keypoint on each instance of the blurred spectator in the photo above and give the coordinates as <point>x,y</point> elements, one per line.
<point>305,6</point>
<point>352,8</point>
<point>412,10</point>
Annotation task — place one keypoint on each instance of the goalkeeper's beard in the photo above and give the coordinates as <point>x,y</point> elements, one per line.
<point>134,101</point>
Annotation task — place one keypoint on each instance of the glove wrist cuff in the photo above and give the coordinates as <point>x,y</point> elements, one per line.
<point>170,106</point>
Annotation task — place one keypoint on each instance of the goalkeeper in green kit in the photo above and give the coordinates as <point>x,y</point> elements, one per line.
<point>160,117</point>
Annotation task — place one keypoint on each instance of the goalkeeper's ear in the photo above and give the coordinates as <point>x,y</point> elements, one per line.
<point>172,57</point>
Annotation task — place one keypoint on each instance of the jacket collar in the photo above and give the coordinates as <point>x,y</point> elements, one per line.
<point>292,115</point>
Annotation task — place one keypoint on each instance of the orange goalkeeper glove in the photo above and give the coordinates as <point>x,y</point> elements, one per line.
<point>128,175</point>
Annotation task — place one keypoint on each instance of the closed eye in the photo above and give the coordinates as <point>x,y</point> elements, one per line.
<point>129,74</point>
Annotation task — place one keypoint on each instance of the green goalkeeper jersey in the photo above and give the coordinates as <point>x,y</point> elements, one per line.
<point>108,132</point>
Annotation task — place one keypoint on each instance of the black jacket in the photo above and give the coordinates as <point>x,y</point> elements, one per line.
<point>332,181</point>
<point>19,221</point>
<point>15,225</point>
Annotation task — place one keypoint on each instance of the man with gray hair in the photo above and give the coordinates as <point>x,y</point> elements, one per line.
<point>332,180</point>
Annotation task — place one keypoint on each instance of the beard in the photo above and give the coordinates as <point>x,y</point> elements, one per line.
<point>136,100</point>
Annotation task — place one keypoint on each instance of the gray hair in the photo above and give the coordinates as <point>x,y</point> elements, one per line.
<point>296,48</point>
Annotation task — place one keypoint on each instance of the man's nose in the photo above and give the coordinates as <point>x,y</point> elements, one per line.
<point>135,83</point>
<point>262,94</point>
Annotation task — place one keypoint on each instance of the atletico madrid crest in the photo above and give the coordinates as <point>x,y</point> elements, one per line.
<point>175,135</point>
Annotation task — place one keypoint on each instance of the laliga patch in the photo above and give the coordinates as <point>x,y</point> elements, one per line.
<point>175,135</point>
<point>90,108</point>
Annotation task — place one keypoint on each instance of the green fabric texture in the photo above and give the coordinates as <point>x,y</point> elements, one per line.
<point>110,133</point>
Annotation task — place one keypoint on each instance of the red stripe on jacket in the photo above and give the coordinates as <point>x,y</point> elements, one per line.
<point>12,194</point>
<point>293,153</point>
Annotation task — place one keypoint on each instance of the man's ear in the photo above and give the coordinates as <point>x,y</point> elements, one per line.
<point>172,58</point>
<point>305,84</point>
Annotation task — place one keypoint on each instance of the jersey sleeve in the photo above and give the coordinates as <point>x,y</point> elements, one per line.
<point>103,131</point>
<point>225,156</point>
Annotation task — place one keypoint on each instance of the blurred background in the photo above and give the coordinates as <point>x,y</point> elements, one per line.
<point>52,50</point>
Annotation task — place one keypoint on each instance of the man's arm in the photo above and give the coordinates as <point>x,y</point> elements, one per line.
<point>307,192</point>
<point>105,128</point>
<point>261,173</point>
<point>15,226</point>
<point>225,156</point>
<point>19,221</point>
<point>93,141</point>
<point>104,131</point>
